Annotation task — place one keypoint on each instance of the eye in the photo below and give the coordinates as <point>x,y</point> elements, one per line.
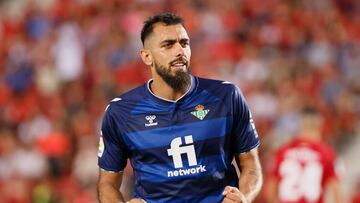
<point>167,45</point>
<point>185,43</point>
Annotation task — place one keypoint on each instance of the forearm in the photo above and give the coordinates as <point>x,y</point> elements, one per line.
<point>335,190</point>
<point>109,187</point>
<point>272,190</point>
<point>250,182</point>
<point>108,193</point>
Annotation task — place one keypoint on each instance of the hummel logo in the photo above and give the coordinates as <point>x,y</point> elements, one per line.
<point>150,120</point>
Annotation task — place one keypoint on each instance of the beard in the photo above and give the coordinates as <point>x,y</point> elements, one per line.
<point>179,82</point>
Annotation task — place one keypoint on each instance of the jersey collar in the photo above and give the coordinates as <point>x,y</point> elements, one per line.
<point>167,101</point>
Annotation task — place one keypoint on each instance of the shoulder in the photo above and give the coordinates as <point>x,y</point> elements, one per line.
<point>286,146</point>
<point>126,101</point>
<point>326,151</point>
<point>281,150</point>
<point>220,86</point>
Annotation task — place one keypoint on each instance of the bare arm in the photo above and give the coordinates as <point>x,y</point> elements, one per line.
<point>108,187</point>
<point>335,191</point>
<point>251,179</point>
<point>272,190</point>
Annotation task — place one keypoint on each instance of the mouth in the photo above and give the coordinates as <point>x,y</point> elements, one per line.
<point>179,64</point>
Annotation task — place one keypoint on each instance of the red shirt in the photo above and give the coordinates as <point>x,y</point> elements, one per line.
<point>302,168</point>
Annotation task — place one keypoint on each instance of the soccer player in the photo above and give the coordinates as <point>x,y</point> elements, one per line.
<point>305,167</point>
<point>179,131</point>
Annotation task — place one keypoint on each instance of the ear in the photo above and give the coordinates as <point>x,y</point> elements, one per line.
<point>146,56</point>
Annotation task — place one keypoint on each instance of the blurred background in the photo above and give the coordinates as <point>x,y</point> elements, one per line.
<point>62,61</point>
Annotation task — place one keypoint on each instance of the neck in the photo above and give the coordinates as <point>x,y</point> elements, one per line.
<point>161,89</point>
<point>310,135</point>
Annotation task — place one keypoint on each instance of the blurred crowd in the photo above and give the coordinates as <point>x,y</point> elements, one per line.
<point>62,61</point>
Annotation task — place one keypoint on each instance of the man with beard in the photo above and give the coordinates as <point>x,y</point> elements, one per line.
<point>180,132</point>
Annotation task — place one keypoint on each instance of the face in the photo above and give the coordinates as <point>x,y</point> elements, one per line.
<point>167,51</point>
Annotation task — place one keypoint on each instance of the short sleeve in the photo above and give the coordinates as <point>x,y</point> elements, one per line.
<point>112,154</point>
<point>332,166</point>
<point>244,131</point>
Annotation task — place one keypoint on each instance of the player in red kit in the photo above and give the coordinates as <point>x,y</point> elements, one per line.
<point>304,168</point>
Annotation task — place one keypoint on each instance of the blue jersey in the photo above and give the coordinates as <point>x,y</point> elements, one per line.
<point>181,151</point>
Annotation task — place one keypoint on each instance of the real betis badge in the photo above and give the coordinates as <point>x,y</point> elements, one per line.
<point>200,113</point>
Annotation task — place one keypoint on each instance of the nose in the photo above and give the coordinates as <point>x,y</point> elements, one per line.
<point>179,50</point>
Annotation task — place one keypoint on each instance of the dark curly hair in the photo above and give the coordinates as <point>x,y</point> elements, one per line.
<point>164,18</point>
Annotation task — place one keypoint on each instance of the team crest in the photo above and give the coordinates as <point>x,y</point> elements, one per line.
<point>200,112</point>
